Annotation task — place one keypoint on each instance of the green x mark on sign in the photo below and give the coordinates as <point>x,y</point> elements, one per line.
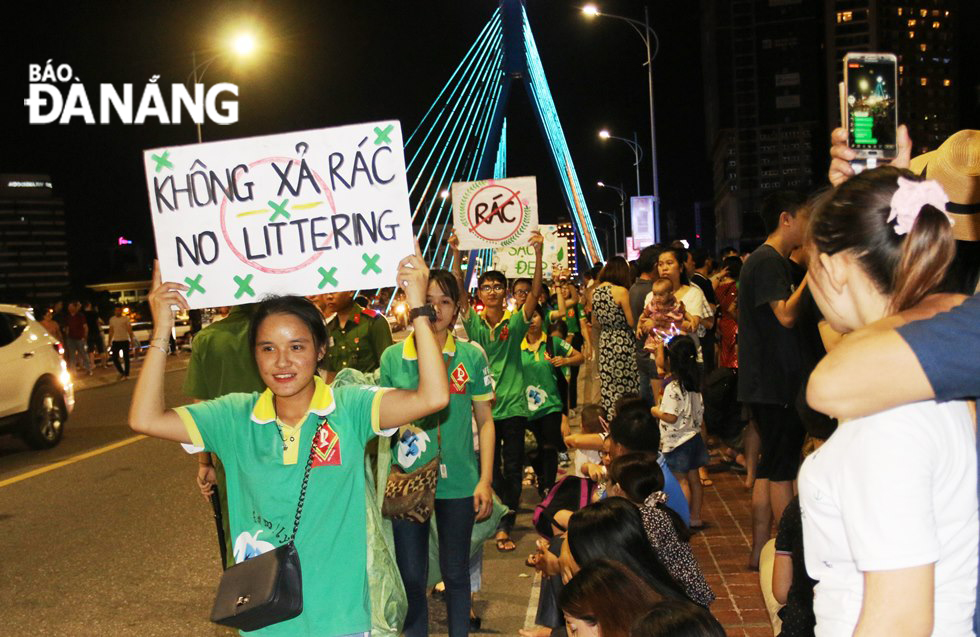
<point>383,135</point>
<point>370,263</point>
<point>244,286</point>
<point>280,209</point>
<point>194,285</point>
<point>163,162</point>
<point>328,277</point>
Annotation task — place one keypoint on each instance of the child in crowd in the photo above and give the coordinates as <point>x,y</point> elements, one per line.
<point>677,619</point>
<point>681,412</point>
<point>666,312</point>
<point>587,445</point>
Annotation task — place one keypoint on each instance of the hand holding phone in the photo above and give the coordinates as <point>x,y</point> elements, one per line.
<point>871,107</point>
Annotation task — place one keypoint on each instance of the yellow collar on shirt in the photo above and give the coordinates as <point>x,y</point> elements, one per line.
<point>321,404</point>
<point>410,353</point>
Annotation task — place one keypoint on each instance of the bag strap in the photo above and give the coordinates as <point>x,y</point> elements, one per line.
<point>306,480</point>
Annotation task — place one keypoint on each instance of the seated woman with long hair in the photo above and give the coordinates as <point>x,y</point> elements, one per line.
<point>604,599</point>
<point>613,529</point>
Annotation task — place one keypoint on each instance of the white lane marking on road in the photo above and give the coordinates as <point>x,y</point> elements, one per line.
<point>68,461</point>
<point>532,602</point>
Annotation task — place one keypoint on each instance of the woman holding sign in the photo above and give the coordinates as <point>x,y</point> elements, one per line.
<point>268,440</point>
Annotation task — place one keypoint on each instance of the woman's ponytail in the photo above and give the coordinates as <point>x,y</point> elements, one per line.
<point>926,253</point>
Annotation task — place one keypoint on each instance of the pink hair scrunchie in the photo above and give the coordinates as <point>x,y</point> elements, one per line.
<point>908,200</point>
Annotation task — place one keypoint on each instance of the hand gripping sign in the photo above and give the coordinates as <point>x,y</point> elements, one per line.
<point>308,212</point>
<point>518,261</point>
<point>495,213</point>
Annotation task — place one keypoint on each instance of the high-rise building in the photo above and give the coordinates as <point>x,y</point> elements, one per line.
<point>763,76</point>
<point>33,249</point>
<point>921,34</point>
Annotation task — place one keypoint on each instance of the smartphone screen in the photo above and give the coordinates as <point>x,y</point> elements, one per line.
<point>872,100</point>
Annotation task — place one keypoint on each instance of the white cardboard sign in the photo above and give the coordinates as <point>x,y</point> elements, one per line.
<point>495,213</point>
<point>298,213</point>
<point>518,261</point>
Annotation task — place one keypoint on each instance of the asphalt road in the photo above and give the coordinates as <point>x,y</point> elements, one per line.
<point>107,535</point>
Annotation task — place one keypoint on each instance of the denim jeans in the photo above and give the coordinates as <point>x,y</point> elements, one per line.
<point>547,433</point>
<point>508,466</point>
<point>76,353</point>
<point>454,521</point>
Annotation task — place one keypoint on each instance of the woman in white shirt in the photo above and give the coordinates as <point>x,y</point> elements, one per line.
<point>889,505</point>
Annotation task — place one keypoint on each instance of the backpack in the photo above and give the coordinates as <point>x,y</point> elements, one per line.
<point>569,493</point>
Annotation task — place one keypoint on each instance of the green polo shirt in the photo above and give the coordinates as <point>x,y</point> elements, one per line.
<point>359,343</point>
<point>542,388</point>
<point>264,482</point>
<point>502,343</point>
<point>573,314</point>
<point>221,359</point>
<point>417,443</point>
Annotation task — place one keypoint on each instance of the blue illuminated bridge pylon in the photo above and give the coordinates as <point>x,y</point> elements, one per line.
<point>463,135</point>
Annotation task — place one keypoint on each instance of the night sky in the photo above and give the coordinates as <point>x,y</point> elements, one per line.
<point>330,63</point>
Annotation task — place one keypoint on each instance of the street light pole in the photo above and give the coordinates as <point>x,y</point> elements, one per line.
<point>653,128</point>
<point>243,45</point>
<point>649,37</point>
<point>622,207</point>
<point>615,231</point>
<point>635,147</point>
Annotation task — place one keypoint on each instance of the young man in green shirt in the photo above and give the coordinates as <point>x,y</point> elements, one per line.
<point>500,333</point>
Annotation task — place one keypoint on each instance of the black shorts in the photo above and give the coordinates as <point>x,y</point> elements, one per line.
<point>781,433</point>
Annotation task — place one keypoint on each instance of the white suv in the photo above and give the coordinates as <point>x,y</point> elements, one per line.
<point>36,392</point>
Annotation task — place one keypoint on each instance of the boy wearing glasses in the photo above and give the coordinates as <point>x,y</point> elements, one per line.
<point>500,333</point>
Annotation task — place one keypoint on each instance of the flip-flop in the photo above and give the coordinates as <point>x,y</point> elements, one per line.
<point>502,545</point>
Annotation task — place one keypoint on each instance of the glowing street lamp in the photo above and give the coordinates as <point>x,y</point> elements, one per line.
<point>243,44</point>
<point>637,153</point>
<point>590,10</point>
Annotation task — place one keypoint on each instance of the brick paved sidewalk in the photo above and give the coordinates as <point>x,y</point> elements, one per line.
<point>722,551</point>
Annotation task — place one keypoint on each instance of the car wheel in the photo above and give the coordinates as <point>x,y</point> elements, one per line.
<point>45,419</point>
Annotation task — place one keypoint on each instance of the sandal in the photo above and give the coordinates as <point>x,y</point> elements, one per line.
<point>505,544</point>
<point>532,560</point>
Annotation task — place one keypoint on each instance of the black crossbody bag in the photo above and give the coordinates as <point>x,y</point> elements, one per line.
<point>266,589</point>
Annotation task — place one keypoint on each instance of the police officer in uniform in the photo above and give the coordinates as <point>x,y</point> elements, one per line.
<point>357,335</point>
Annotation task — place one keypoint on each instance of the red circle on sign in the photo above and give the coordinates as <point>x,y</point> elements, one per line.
<point>261,268</point>
<point>510,195</point>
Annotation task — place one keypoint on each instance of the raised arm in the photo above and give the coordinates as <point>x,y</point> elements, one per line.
<point>874,368</point>
<point>464,294</point>
<point>531,304</point>
<point>147,411</point>
<point>401,406</point>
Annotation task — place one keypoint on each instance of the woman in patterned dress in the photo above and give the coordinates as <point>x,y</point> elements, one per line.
<point>618,374</point>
